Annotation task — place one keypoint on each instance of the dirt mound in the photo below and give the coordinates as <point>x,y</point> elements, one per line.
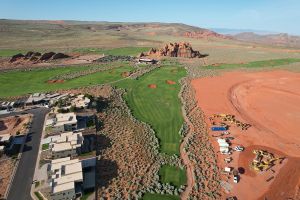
<point>205,34</point>
<point>152,86</point>
<point>14,124</point>
<point>55,81</point>
<point>170,82</point>
<point>181,49</point>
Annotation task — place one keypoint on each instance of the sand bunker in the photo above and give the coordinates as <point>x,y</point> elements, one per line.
<point>153,86</point>
<point>55,81</point>
<point>170,82</point>
<point>125,74</point>
<point>269,101</point>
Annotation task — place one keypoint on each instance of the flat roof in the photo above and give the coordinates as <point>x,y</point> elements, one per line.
<point>73,168</point>
<point>59,160</point>
<point>58,165</point>
<point>65,118</point>
<point>66,141</point>
<point>61,146</point>
<point>67,172</point>
<point>63,187</point>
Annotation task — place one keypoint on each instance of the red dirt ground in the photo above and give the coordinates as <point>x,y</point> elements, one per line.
<point>153,86</point>
<point>270,102</point>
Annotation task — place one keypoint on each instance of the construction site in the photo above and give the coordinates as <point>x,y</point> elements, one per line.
<point>255,141</point>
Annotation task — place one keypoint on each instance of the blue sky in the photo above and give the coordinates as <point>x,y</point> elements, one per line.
<point>270,15</point>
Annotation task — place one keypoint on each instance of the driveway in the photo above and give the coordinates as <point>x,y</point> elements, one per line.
<point>21,185</point>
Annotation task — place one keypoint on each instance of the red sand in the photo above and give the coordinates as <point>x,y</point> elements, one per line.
<point>170,82</point>
<point>153,86</point>
<point>55,81</point>
<point>270,102</point>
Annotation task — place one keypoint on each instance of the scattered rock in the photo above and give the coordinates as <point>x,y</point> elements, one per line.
<point>182,49</point>
<point>16,57</point>
<point>111,58</point>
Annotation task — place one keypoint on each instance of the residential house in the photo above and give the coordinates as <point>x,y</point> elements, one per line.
<point>64,122</point>
<point>66,145</point>
<point>66,178</point>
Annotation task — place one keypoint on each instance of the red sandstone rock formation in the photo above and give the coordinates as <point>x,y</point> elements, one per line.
<point>182,49</point>
<point>205,35</point>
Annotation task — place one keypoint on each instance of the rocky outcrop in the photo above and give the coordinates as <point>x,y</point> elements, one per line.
<point>37,56</point>
<point>205,34</point>
<point>182,49</point>
<point>16,57</point>
<point>47,56</point>
<point>60,56</point>
<point>31,54</point>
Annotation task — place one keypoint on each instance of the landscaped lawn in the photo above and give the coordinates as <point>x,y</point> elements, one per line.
<point>129,51</point>
<point>160,107</point>
<point>149,196</point>
<point>45,146</point>
<point>9,52</point>
<point>257,64</point>
<point>173,175</point>
<point>16,83</point>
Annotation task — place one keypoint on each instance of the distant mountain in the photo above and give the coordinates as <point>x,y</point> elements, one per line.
<point>71,34</point>
<point>280,39</point>
<point>228,31</point>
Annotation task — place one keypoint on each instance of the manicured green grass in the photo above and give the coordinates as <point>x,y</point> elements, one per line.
<point>9,52</point>
<point>45,146</point>
<point>257,64</point>
<point>123,51</point>
<point>159,107</point>
<point>16,83</point>
<point>173,175</point>
<point>149,196</point>
<point>85,196</point>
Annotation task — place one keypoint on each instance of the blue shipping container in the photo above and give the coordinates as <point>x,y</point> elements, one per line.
<point>218,128</point>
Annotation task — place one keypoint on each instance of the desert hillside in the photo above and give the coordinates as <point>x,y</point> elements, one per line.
<point>281,39</point>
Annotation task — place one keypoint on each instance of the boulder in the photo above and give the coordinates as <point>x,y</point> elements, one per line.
<point>47,56</point>
<point>16,57</point>
<point>59,56</point>
<point>36,54</point>
<point>33,58</point>
<point>29,54</point>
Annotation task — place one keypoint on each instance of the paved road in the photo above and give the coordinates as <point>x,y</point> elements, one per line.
<point>20,189</point>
